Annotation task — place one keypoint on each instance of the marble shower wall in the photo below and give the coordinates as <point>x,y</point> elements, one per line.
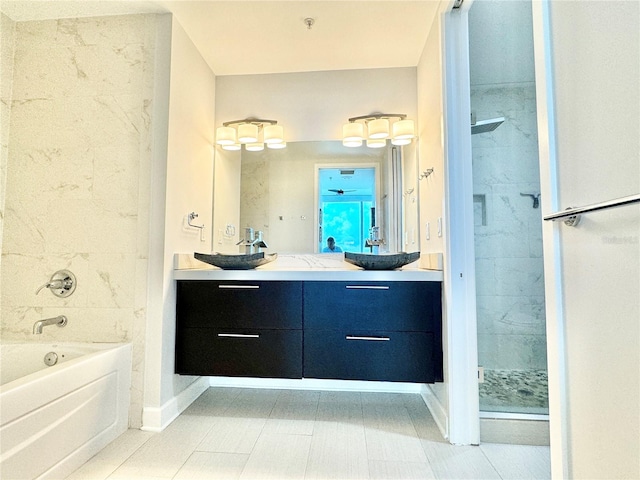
<point>508,230</point>
<point>77,188</point>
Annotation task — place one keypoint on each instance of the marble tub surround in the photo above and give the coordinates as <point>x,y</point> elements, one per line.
<point>77,181</point>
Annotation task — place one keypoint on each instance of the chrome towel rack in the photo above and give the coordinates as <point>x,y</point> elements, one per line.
<point>571,215</point>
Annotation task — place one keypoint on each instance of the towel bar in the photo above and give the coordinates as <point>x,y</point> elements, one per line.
<point>571,216</point>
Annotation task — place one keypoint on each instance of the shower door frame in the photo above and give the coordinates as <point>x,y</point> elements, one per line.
<point>460,224</point>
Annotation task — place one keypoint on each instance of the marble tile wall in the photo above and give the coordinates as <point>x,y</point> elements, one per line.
<point>508,230</point>
<point>7,42</point>
<point>77,188</point>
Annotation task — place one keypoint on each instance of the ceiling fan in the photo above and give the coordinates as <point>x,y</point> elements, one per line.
<point>340,191</point>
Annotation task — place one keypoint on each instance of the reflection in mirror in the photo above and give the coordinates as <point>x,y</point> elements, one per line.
<point>346,206</point>
<point>279,194</point>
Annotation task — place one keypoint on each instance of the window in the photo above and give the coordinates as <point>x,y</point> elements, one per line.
<point>346,202</point>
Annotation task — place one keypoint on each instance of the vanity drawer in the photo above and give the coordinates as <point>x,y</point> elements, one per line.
<point>382,356</point>
<point>239,304</point>
<point>398,306</point>
<point>239,352</point>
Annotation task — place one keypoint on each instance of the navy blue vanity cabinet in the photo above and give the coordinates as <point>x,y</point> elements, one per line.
<point>386,331</point>
<point>239,328</point>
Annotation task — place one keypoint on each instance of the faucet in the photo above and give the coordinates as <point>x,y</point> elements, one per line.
<point>60,320</point>
<point>252,242</point>
<point>374,241</point>
<point>62,284</point>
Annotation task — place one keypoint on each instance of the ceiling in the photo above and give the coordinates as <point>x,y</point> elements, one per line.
<point>242,37</point>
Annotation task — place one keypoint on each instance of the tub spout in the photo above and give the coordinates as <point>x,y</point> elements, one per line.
<point>60,320</point>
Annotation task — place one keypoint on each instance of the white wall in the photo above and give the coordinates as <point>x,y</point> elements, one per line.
<point>431,156</point>
<point>188,188</point>
<point>595,48</point>
<point>314,105</point>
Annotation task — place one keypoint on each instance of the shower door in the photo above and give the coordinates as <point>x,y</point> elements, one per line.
<point>507,214</point>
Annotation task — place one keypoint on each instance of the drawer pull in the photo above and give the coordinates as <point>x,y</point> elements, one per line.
<point>367,287</point>
<point>240,287</point>
<point>370,339</point>
<point>239,335</point>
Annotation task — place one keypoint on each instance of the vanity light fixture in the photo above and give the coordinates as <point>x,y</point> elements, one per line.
<point>379,129</point>
<point>251,132</point>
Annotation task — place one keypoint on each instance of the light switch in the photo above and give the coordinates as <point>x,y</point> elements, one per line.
<point>427,231</point>
<point>439,226</point>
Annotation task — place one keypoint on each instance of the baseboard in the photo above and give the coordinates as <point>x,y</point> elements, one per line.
<point>438,411</point>
<point>315,384</point>
<point>156,419</point>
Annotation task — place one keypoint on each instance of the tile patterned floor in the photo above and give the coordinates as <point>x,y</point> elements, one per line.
<point>252,434</point>
<point>523,391</point>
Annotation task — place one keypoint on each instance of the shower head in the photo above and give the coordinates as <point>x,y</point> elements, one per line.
<point>484,126</point>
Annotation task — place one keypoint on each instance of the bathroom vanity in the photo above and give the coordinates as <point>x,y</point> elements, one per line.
<point>327,323</point>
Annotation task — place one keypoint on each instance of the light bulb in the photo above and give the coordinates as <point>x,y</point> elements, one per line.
<point>403,129</point>
<point>352,132</point>
<point>254,147</point>
<point>273,134</point>
<point>247,133</point>
<point>378,128</point>
<point>225,135</point>
<point>376,142</point>
<point>232,147</point>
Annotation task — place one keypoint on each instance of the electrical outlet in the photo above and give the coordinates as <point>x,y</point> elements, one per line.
<point>480,374</point>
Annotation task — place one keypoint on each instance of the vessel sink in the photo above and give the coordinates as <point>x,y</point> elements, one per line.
<point>236,262</point>
<point>386,261</point>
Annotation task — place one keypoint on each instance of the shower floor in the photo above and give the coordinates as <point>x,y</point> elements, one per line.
<point>514,391</point>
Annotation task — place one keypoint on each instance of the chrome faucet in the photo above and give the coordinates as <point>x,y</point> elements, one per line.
<point>374,241</point>
<point>62,284</point>
<point>252,241</point>
<point>60,320</point>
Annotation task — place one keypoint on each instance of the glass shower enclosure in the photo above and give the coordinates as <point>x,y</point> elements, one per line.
<point>507,209</point>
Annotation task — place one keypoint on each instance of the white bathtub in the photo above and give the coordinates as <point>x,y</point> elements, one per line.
<point>53,419</point>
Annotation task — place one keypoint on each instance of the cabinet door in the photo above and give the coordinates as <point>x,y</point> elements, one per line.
<point>397,306</point>
<point>244,353</point>
<point>233,304</point>
<point>381,355</point>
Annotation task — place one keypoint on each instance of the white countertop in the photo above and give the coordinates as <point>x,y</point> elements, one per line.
<point>319,267</point>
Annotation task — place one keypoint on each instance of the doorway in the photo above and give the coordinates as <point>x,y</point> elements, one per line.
<point>510,302</point>
<point>346,197</point>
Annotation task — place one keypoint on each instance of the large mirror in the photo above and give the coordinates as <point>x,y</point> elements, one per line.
<point>302,195</point>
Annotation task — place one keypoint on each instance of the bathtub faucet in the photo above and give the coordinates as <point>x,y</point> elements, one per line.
<point>60,320</point>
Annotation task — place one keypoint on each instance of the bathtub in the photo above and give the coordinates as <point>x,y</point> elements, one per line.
<point>54,418</point>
